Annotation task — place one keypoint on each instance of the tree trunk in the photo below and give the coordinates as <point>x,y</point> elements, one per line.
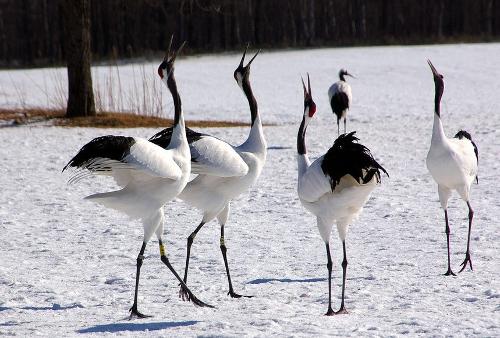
<point>76,14</point>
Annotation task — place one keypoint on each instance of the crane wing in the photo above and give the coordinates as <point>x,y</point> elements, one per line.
<point>313,184</point>
<point>211,156</point>
<point>123,158</point>
<point>465,155</point>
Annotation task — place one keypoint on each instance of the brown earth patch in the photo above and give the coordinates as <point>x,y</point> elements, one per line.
<point>101,120</point>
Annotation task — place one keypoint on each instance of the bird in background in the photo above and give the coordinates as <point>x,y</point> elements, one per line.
<point>334,187</point>
<point>453,164</point>
<point>148,174</point>
<point>224,171</point>
<point>340,97</point>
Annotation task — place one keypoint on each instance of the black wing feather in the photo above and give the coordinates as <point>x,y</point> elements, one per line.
<point>163,137</point>
<point>109,146</point>
<point>347,156</point>
<point>339,103</point>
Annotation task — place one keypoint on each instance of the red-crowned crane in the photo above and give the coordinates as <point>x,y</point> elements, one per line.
<point>335,187</point>
<point>340,97</point>
<point>149,176</point>
<point>225,171</point>
<point>452,163</point>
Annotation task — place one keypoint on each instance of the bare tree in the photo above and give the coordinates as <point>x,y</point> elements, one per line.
<point>77,50</point>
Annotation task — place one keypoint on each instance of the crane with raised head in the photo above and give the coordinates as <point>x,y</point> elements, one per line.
<point>453,164</point>
<point>334,187</point>
<point>224,171</point>
<point>149,176</point>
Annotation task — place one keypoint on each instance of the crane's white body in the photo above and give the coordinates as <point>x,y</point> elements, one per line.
<point>212,192</point>
<point>342,206</point>
<point>226,171</point>
<point>150,176</point>
<point>334,187</point>
<point>452,163</point>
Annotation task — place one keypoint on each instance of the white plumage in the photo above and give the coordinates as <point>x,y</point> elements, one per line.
<point>453,163</point>
<point>335,186</point>
<point>340,98</point>
<point>216,157</point>
<point>341,206</point>
<point>225,171</point>
<point>149,176</point>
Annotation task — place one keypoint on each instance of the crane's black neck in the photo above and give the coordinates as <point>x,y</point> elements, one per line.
<point>172,86</point>
<point>301,138</point>
<point>247,89</point>
<point>342,77</point>
<point>437,98</point>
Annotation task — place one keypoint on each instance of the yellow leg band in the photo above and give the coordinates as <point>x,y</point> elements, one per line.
<point>222,241</point>
<point>162,250</point>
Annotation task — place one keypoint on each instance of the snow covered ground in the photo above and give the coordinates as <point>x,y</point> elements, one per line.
<point>67,266</point>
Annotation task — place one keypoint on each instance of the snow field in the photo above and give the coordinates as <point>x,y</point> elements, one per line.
<point>68,266</point>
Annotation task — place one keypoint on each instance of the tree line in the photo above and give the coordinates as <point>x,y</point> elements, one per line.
<point>32,32</point>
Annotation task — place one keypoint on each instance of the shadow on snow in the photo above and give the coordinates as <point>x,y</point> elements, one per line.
<point>55,307</point>
<point>117,327</point>
<point>286,280</point>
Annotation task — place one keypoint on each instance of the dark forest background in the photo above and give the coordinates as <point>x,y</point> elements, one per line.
<point>31,31</point>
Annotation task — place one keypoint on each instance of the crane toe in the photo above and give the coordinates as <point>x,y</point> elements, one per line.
<point>330,312</point>
<point>342,311</point>
<point>199,303</point>
<point>135,313</point>
<point>449,273</point>
<point>464,263</point>
<point>183,294</point>
<point>236,295</point>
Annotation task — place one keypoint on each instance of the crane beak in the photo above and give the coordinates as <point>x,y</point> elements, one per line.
<point>250,62</point>
<point>243,57</point>
<point>434,70</point>
<point>349,74</point>
<point>169,58</point>
<point>171,55</point>
<point>175,53</point>
<point>307,91</point>
<point>167,54</point>
<point>309,85</point>
<point>304,86</point>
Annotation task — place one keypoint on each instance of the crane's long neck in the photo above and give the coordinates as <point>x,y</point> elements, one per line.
<point>302,158</point>
<point>172,86</point>
<point>252,102</point>
<point>179,127</point>
<point>438,135</point>
<point>255,141</point>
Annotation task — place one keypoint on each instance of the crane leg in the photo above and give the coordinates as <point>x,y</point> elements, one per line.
<point>342,309</point>
<point>133,310</point>
<point>191,296</point>
<point>223,249</point>
<point>345,127</point>
<point>467,252</point>
<point>338,126</point>
<point>190,240</point>
<point>330,311</point>
<point>447,230</point>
